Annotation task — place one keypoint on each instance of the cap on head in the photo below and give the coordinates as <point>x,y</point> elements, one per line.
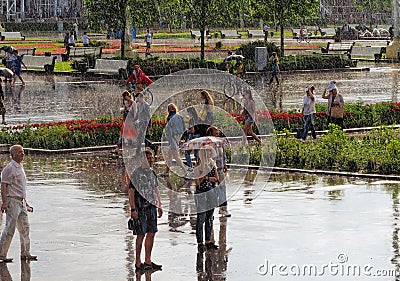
<point>136,66</point>
<point>331,86</point>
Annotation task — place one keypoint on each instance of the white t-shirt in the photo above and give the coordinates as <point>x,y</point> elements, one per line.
<point>85,39</point>
<point>71,39</point>
<point>309,105</point>
<point>148,37</point>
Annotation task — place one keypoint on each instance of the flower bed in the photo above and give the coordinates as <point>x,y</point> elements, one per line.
<point>105,130</point>
<point>66,134</point>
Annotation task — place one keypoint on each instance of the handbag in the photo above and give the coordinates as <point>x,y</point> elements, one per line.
<point>136,226</point>
<point>337,111</point>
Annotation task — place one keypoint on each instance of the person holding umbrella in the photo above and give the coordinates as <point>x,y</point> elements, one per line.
<point>222,170</point>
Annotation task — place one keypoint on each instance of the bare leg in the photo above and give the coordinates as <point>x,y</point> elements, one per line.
<point>148,247</point>
<point>22,80</point>
<point>249,131</point>
<point>139,242</point>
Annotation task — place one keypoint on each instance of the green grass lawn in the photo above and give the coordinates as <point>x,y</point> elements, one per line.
<point>64,66</point>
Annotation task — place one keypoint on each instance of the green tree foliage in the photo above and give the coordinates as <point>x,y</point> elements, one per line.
<point>373,6</point>
<point>286,12</point>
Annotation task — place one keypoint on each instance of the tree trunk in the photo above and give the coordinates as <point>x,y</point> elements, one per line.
<point>202,51</point>
<point>123,27</point>
<point>282,41</point>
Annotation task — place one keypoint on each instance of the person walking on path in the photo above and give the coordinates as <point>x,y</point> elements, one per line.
<point>148,39</point>
<point>309,113</point>
<point>249,113</point>
<point>145,202</point>
<point>128,131</point>
<point>266,29</point>
<point>143,119</point>
<point>208,107</point>
<point>222,169</point>
<point>85,39</point>
<point>14,204</point>
<point>174,129</point>
<point>206,179</point>
<point>274,68</point>
<point>334,100</point>
<point>17,62</point>
<point>2,105</point>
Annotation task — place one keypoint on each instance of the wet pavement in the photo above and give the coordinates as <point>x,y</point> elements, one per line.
<point>79,232</point>
<point>56,98</point>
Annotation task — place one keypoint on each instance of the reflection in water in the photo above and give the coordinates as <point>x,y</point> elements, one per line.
<point>16,94</point>
<point>365,215</point>
<point>25,271</point>
<point>212,265</point>
<point>4,273</point>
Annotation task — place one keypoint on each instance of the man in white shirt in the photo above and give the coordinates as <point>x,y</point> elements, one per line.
<point>148,42</point>
<point>309,112</point>
<point>14,204</point>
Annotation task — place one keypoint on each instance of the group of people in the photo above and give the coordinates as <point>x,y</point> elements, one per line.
<point>335,108</point>
<point>14,62</point>
<point>134,105</point>
<point>69,41</point>
<point>207,170</point>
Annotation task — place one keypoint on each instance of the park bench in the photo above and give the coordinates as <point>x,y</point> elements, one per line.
<point>337,48</point>
<point>97,36</point>
<point>230,33</point>
<point>328,32</point>
<point>110,67</point>
<point>81,52</point>
<point>296,32</point>
<point>196,33</point>
<point>40,62</point>
<point>255,32</point>
<point>28,51</point>
<point>367,52</point>
<point>11,35</point>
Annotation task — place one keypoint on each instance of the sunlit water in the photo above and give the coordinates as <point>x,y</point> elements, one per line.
<point>55,98</point>
<point>78,228</point>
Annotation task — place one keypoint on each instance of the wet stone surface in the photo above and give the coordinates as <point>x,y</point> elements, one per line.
<point>79,228</point>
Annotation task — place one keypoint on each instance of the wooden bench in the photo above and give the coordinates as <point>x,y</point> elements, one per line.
<point>255,32</point>
<point>367,52</point>
<point>28,51</point>
<point>40,62</point>
<point>196,33</point>
<point>110,67</point>
<point>325,32</point>
<point>11,35</point>
<point>337,48</point>
<point>296,32</point>
<point>97,36</point>
<point>230,33</point>
<point>81,52</point>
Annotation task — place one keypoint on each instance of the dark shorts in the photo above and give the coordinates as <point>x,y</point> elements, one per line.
<point>148,218</point>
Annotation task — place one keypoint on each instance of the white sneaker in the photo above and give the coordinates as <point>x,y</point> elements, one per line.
<point>224,214</point>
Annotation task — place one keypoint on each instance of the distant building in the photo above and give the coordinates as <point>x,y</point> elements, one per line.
<point>39,10</point>
<point>344,11</point>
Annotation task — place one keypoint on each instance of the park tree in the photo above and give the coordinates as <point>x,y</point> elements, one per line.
<point>373,6</point>
<point>106,15</point>
<point>285,12</point>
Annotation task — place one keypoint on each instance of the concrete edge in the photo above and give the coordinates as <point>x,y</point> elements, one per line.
<point>317,172</point>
